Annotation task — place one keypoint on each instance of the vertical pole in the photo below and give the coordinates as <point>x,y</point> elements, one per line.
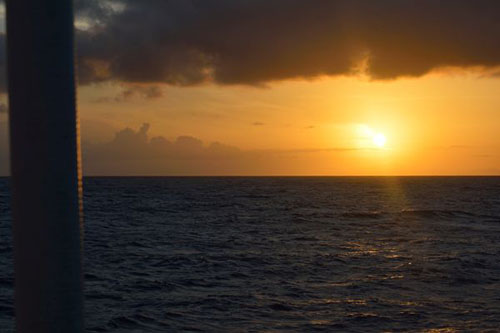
<point>45,167</point>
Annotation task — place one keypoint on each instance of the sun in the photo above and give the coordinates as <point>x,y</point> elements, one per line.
<point>379,140</point>
<point>370,138</point>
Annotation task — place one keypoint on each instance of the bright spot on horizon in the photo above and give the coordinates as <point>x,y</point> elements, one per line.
<point>379,140</point>
<point>370,137</point>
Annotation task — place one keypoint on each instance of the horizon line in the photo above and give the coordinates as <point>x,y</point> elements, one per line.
<point>284,176</point>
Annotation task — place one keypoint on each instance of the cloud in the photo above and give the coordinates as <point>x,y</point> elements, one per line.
<point>255,41</point>
<point>134,152</point>
<point>250,42</point>
<point>258,123</point>
<point>133,91</point>
<point>136,145</point>
<point>148,92</point>
<point>130,144</point>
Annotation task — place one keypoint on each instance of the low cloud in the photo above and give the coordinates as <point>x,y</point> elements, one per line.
<point>132,92</point>
<point>134,152</point>
<point>148,92</point>
<point>129,144</point>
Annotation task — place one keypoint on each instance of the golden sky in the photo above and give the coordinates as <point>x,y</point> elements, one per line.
<point>287,87</point>
<point>441,123</point>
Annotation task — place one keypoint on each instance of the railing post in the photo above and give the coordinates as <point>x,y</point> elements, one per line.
<point>45,166</point>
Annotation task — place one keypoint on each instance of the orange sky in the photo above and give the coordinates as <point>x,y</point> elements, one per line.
<point>442,123</point>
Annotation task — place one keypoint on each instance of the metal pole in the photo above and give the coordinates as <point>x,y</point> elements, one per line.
<point>45,169</point>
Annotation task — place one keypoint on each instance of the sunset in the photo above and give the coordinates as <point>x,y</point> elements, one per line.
<point>433,94</point>
<point>249,165</point>
<point>437,124</point>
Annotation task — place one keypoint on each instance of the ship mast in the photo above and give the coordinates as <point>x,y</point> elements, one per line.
<point>45,166</point>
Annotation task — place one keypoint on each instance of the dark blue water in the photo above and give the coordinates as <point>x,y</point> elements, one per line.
<point>285,254</point>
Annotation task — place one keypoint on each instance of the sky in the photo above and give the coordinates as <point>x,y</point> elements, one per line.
<point>285,87</point>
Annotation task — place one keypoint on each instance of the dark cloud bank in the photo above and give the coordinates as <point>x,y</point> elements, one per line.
<point>134,152</point>
<point>132,145</point>
<point>186,42</point>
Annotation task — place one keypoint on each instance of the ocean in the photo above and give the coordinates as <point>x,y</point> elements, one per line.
<point>294,254</point>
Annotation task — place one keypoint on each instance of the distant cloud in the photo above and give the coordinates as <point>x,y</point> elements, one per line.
<point>258,123</point>
<point>136,145</point>
<point>135,152</point>
<point>251,42</point>
<point>133,91</point>
<point>148,92</point>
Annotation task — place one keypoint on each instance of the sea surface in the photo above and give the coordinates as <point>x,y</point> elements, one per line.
<point>361,254</point>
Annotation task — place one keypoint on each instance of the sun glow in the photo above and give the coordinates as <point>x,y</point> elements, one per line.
<point>370,137</point>
<point>379,140</point>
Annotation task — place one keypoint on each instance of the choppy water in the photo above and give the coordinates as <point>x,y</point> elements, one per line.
<point>285,254</point>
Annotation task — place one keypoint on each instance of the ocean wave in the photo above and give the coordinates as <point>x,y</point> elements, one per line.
<point>216,255</point>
